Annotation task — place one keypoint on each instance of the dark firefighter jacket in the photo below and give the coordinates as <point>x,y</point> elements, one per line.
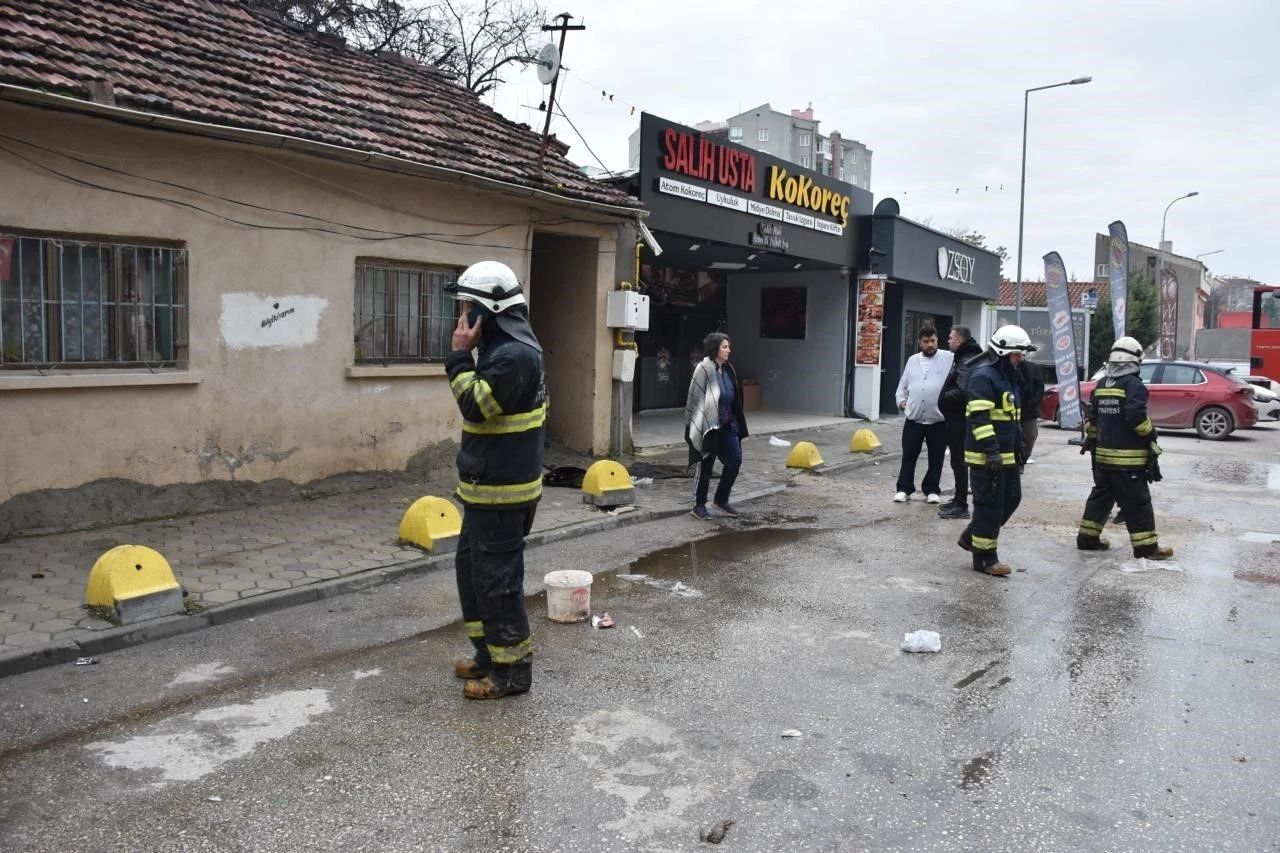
<point>1124,432</point>
<point>991,416</point>
<point>954,395</point>
<point>503,401</point>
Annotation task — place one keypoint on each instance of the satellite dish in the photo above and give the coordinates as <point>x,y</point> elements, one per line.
<point>548,62</point>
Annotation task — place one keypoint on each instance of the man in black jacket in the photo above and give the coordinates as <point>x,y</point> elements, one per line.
<point>952,402</point>
<point>1032,379</point>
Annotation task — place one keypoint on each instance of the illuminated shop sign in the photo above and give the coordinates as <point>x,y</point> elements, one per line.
<point>798,197</point>
<point>801,191</point>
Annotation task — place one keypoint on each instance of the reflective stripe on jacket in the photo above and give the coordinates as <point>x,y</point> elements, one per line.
<point>991,416</point>
<point>1118,409</point>
<point>503,401</point>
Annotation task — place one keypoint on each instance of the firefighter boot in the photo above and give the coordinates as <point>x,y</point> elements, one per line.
<point>503,680</point>
<point>1157,553</point>
<point>1092,543</point>
<point>993,567</point>
<point>474,667</point>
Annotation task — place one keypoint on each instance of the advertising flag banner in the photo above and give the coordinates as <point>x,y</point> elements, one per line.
<point>1118,273</point>
<point>1168,312</point>
<point>1058,303</point>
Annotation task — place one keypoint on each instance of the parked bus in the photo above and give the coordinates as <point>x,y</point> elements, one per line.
<point>1264,339</point>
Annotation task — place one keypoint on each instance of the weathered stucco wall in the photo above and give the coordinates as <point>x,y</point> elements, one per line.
<point>272,390</point>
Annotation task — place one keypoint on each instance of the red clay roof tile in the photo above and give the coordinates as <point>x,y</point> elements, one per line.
<point>225,63</point>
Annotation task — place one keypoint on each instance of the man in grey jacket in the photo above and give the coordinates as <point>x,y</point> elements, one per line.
<point>917,397</point>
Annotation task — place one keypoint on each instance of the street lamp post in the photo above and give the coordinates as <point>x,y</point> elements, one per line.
<point>1022,187</point>
<point>1165,218</point>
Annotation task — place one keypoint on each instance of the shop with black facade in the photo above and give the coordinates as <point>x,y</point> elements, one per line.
<point>753,246</point>
<point>931,279</point>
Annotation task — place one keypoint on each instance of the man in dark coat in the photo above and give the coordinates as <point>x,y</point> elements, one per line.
<point>952,402</point>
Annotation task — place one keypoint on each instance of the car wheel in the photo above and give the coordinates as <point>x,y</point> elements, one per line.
<point>1214,423</point>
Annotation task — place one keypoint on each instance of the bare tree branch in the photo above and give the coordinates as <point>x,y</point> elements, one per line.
<point>469,41</point>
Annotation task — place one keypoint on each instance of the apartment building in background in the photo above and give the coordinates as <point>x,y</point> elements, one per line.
<point>793,136</point>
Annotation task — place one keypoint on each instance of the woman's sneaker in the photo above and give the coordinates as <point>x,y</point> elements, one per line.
<point>700,511</point>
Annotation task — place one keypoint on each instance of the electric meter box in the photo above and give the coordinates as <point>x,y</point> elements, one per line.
<point>626,309</point>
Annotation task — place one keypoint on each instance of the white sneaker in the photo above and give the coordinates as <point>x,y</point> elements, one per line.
<point>934,499</point>
<point>900,498</point>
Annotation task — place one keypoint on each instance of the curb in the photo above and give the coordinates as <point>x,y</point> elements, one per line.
<point>93,643</point>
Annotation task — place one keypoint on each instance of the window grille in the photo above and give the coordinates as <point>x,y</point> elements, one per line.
<point>403,312</point>
<point>68,302</point>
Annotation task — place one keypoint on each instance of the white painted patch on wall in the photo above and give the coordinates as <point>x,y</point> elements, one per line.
<point>256,321</point>
<point>182,749</point>
<point>201,673</point>
<point>377,389</point>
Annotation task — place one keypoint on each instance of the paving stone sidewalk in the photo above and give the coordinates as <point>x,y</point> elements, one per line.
<point>237,563</point>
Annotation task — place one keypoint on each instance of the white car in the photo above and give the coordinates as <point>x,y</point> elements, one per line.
<point>1266,397</point>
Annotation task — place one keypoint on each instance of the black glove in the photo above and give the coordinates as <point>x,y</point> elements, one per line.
<point>1090,438</point>
<point>995,463</point>
<point>1153,464</point>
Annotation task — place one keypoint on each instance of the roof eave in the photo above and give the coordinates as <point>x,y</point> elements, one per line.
<point>23,94</point>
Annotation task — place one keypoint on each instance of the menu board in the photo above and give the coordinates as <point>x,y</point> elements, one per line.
<point>870,320</point>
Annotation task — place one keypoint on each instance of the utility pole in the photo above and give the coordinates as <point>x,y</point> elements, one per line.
<point>563,28</point>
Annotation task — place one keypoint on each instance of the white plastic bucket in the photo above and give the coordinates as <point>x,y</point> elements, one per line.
<point>568,595</point>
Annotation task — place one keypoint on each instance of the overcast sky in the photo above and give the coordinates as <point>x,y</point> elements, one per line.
<point>1183,98</point>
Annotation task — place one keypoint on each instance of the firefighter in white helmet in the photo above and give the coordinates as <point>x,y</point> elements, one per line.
<point>503,401</point>
<point>1122,439</point>
<point>993,445</point>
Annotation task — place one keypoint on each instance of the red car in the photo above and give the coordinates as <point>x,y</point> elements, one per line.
<point>1182,395</point>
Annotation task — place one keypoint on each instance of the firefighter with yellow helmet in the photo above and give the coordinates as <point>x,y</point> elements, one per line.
<point>993,445</point>
<point>1122,439</point>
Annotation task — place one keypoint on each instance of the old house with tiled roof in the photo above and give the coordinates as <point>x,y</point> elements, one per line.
<point>224,242</point>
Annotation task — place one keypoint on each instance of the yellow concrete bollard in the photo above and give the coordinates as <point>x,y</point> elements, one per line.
<point>432,524</point>
<point>136,582</point>
<point>607,483</point>
<point>864,441</point>
<point>804,455</point>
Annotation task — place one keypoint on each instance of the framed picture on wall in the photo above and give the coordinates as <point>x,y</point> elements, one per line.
<point>784,312</point>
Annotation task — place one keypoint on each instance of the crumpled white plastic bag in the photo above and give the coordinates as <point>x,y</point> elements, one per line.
<point>774,441</point>
<point>922,641</point>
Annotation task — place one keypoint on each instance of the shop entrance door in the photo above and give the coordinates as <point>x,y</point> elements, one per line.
<point>913,322</point>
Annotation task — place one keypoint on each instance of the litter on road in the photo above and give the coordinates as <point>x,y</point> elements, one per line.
<point>921,641</point>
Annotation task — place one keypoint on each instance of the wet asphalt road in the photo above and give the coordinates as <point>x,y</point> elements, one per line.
<point>1082,703</point>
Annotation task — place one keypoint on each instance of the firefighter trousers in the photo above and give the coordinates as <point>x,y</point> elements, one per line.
<point>490,573</point>
<point>996,496</point>
<point>1129,490</point>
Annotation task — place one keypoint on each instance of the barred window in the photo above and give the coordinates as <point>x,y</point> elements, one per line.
<point>402,312</point>
<point>68,302</point>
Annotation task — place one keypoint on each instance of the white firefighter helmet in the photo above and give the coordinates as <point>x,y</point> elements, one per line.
<point>1125,349</point>
<point>492,285</point>
<point>1009,339</point>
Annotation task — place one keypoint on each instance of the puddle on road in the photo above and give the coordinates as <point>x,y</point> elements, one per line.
<point>702,555</point>
<point>978,769</point>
